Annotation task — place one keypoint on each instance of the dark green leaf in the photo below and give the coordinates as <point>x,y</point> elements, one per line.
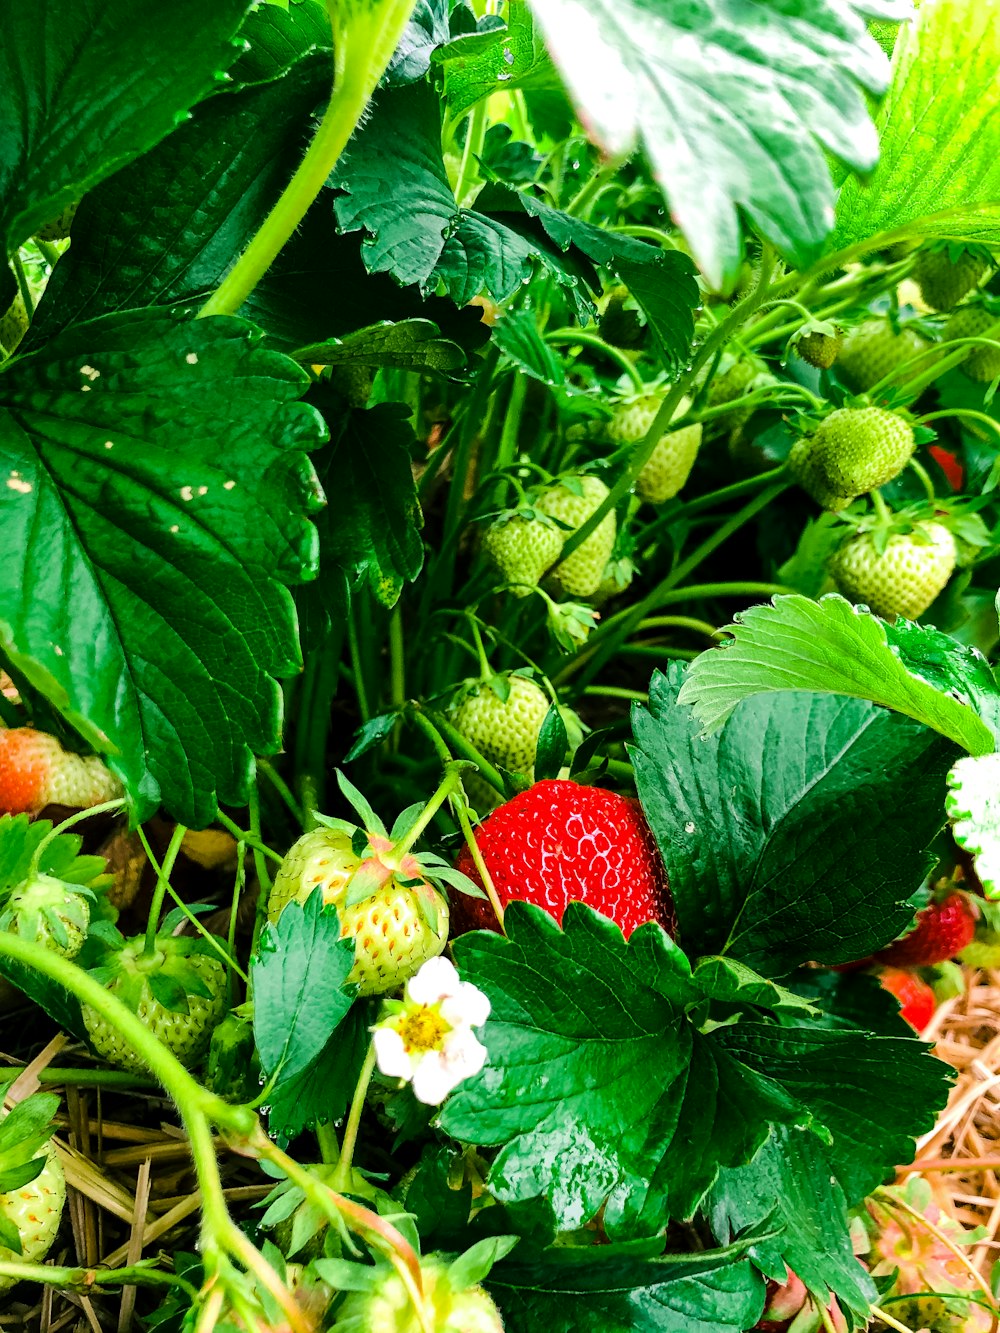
<point>427,29</point>
<point>397,189</point>
<point>299,985</point>
<point>736,105</point>
<point>371,529</point>
<point>953,668</point>
<point>19,838</point>
<point>280,38</point>
<point>86,88</point>
<point>518,335</point>
<point>166,228</point>
<point>626,1289</point>
<point>322,1092</point>
<point>60,1004</point>
<point>799,831</point>
<point>413,344</point>
<point>370,734</point>
<point>594,1072</point>
<point>495,61</point>
<point>730,982</point>
<point>829,645</point>
<point>789,1181</point>
<point>158,489</point>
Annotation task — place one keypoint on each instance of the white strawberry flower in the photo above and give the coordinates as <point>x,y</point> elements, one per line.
<point>427,1038</point>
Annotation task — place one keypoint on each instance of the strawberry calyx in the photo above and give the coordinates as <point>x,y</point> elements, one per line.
<point>169,973</point>
<point>51,911</point>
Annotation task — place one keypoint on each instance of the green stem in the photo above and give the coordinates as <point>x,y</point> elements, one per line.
<point>969,412</point>
<point>468,172</point>
<point>588,192</point>
<point>241,835</point>
<point>58,829</point>
<point>446,786</point>
<point>354,648</point>
<point>82,1078</point>
<point>342,1177</point>
<point>881,508</point>
<point>511,432</point>
<point>23,286</point>
<point>922,476</point>
<point>617,692</point>
<point>466,750</point>
<point>397,659</point>
<point>263,878</point>
<point>329,1148</point>
<point>282,788</point>
<point>680,622</point>
<point>163,874</point>
<point>234,910</point>
<point>468,833</point>
<point>94,1279</point>
<point>580,337</point>
<point>734,492</point>
<point>642,450</point>
<point>363,45</point>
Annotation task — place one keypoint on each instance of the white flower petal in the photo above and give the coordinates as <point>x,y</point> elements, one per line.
<point>390,1053</point>
<point>433,1079</point>
<point>436,980</point>
<point>463,1053</point>
<point>469,1008</point>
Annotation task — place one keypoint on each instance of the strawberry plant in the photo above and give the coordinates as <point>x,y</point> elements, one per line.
<point>498,725</point>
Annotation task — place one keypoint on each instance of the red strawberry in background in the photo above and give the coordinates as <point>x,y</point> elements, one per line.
<point>36,771</point>
<point>916,999</point>
<point>950,464</point>
<point>943,930</point>
<point>560,842</point>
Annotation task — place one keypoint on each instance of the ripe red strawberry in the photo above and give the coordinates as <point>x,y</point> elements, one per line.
<point>916,999</point>
<point>558,842</point>
<point>943,929</point>
<point>35,771</point>
<point>950,464</point>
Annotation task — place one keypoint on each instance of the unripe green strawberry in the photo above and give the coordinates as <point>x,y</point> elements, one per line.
<point>819,349</point>
<point>396,926</point>
<point>975,321</point>
<point>388,1308</point>
<point>14,325</point>
<point>670,463</point>
<point>873,350</point>
<point>179,993</point>
<point>322,858</point>
<point>581,572</point>
<point>944,281</point>
<point>35,771</point>
<point>36,1210</point>
<point>854,450</point>
<point>522,547</point>
<point>50,912</point>
<point>504,731</point>
<point>905,579</point>
<point>57,229</point>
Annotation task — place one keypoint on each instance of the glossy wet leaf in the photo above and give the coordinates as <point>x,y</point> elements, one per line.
<point>157,495</point>
<point>799,832</point>
<point>412,344</point>
<point>85,88</point>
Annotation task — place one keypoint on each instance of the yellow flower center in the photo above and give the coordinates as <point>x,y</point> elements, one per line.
<point>423,1029</point>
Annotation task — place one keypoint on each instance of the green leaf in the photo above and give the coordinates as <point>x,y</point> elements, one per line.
<point>280,38</point>
<point>299,986</point>
<point>157,490</point>
<point>20,836</point>
<point>165,228</point>
<point>427,29</point>
<point>396,188</point>
<point>472,1266</point>
<point>789,1180</point>
<point>953,668</point>
<point>625,1289</point>
<point>495,61</point>
<point>594,1073</point>
<point>371,530</point>
<point>827,646</point>
<point>797,833</point>
<point>730,982</point>
<point>552,745</point>
<point>322,1092</point>
<point>517,334</point>
<point>939,171</point>
<point>873,1094</point>
<point>413,344</point>
<point>973,803</point>
<point>86,88</point>
<point>736,106</point>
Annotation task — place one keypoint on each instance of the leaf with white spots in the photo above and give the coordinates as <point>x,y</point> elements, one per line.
<point>154,496</point>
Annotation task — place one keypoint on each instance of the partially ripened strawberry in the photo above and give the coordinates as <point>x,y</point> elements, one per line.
<point>178,991</point>
<point>946,274</point>
<point>874,349</point>
<point>36,771</point>
<point>571,502</point>
<point>523,546</point>
<point>31,1199</point>
<point>904,579</point>
<point>502,719</point>
<point>943,929</point>
<point>561,842</point>
<point>916,999</point>
<point>982,363</point>
<point>386,897</point>
<point>853,450</point>
<point>50,912</point>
